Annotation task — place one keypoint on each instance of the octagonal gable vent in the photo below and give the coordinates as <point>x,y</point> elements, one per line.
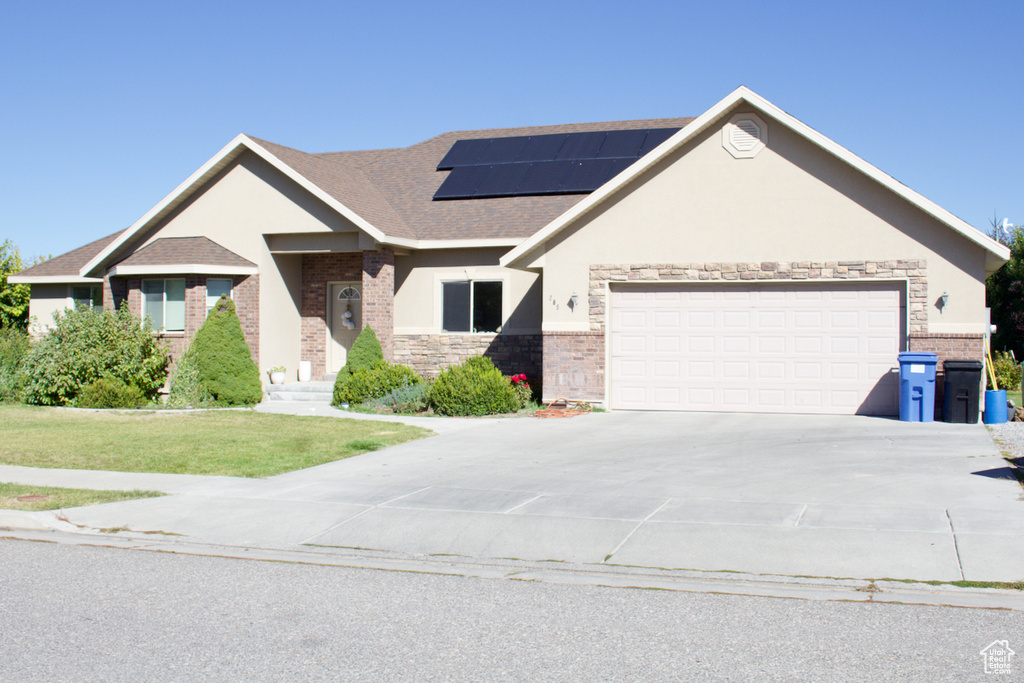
<point>744,136</point>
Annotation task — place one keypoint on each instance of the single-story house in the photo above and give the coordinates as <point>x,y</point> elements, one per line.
<point>736,261</point>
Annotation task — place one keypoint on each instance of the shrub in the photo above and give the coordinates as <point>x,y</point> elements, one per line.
<point>186,389</point>
<point>87,344</point>
<point>365,351</point>
<point>14,346</point>
<point>110,392</point>
<point>1008,372</point>
<point>522,388</point>
<point>408,399</point>
<point>374,382</point>
<point>223,359</point>
<point>475,387</point>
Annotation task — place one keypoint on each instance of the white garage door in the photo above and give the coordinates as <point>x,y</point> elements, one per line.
<point>814,348</point>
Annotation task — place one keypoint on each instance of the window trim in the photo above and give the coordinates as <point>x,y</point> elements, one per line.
<point>442,281</point>
<point>231,292</point>
<point>95,299</point>
<point>163,297</point>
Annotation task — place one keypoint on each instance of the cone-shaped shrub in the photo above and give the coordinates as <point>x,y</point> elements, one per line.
<point>364,354</point>
<point>223,359</point>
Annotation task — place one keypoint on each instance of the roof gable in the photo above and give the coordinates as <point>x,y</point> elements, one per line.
<point>519,256</point>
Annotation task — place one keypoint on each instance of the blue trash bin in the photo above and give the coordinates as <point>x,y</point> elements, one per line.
<point>995,412</point>
<point>917,387</point>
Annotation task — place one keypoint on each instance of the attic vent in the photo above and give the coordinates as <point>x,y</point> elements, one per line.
<point>744,136</point>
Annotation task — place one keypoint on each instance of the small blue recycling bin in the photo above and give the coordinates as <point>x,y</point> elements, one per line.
<point>917,387</point>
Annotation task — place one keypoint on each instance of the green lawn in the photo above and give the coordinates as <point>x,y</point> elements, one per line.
<point>36,498</point>
<point>240,443</point>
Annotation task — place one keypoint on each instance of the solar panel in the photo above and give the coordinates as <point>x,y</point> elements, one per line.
<point>622,143</point>
<point>501,180</point>
<point>582,146</point>
<point>586,175</point>
<point>542,147</point>
<point>543,178</point>
<point>655,137</point>
<point>559,163</point>
<point>502,150</point>
<point>462,153</point>
<point>461,182</point>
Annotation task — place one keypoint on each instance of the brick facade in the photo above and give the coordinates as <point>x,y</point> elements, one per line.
<point>574,366</point>
<point>317,271</point>
<point>379,297</point>
<point>245,293</point>
<point>428,354</point>
<point>948,346</point>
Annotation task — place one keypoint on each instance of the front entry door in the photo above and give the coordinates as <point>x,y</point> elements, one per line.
<point>345,305</point>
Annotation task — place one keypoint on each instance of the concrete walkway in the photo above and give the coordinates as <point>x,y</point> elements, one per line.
<point>770,494</point>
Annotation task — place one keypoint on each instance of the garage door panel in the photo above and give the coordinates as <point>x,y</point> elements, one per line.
<point>630,343</point>
<point>736,344</point>
<point>816,347</point>
<point>700,344</point>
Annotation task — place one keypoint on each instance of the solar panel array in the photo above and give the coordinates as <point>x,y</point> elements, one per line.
<point>562,163</point>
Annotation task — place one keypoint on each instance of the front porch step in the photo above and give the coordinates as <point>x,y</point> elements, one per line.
<point>321,392</point>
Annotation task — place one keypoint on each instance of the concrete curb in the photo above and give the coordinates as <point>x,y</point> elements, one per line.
<point>613,577</point>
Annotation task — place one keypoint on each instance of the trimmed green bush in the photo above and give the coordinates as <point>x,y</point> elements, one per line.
<point>366,350</point>
<point>186,389</point>
<point>475,387</point>
<point>86,344</point>
<point>223,359</point>
<point>14,346</point>
<point>374,382</point>
<point>110,392</point>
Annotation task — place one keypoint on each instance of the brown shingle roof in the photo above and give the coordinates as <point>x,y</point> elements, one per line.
<point>181,251</point>
<point>393,189</point>
<point>70,263</point>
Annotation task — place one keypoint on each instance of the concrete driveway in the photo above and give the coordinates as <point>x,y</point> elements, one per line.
<point>778,494</point>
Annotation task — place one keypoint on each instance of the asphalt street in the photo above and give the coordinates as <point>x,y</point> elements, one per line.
<point>80,613</point>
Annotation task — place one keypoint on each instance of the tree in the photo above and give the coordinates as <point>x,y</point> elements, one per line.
<point>223,358</point>
<point>13,298</point>
<point>1004,294</point>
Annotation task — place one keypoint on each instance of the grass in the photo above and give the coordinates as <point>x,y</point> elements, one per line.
<point>239,443</point>
<point>36,498</point>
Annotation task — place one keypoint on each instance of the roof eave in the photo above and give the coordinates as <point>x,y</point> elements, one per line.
<point>183,269</point>
<point>52,279</point>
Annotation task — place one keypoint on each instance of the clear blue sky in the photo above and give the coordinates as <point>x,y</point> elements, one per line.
<point>107,106</point>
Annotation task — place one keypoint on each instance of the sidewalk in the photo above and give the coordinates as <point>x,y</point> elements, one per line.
<point>787,495</point>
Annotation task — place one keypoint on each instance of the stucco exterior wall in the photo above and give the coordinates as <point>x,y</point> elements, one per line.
<point>245,202</point>
<point>46,300</point>
<point>791,203</point>
<point>418,278</point>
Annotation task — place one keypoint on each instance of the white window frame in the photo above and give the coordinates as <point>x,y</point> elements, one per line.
<point>163,297</point>
<point>210,303</point>
<point>472,294</point>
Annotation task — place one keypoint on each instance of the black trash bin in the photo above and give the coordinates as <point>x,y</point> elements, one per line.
<point>963,390</point>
